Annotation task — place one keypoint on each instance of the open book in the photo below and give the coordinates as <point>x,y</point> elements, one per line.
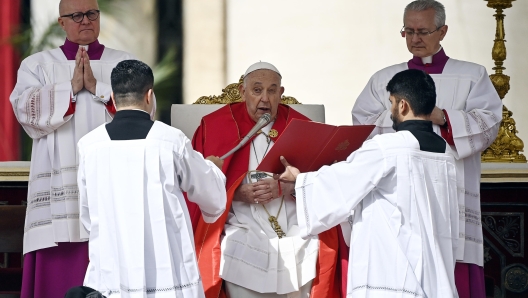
<point>310,145</point>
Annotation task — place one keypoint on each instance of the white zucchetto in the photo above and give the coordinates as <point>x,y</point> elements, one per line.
<point>261,65</point>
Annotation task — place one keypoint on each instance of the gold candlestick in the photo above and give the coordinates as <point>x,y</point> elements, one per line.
<point>507,146</point>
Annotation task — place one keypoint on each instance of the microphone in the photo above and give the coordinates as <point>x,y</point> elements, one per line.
<point>263,121</point>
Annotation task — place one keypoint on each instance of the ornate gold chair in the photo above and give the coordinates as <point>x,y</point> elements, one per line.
<point>186,117</point>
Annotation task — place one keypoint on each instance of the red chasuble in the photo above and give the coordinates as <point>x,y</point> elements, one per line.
<point>218,133</point>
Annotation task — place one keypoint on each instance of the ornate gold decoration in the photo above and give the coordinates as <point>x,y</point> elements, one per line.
<point>273,133</point>
<point>14,174</point>
<point>258,175</point>
<point>289,100</point>
<point>342,146</point>
<point>274,222</point>
<point>275,225</point>
<point>516,278</point>
<point>230,94</point>
<point>507,146</point>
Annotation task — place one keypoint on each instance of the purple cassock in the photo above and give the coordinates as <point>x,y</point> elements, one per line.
<point>435,67</point>
<point>95,50</point>
<point>50,272</point>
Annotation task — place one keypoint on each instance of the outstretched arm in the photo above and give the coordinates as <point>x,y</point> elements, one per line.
<point>290,172</point>
<point>203,181</point>
<point>328,197</point>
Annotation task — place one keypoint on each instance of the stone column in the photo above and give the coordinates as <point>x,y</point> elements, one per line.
<point>204,53</point>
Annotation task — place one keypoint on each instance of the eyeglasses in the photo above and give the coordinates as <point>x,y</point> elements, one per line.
<point>410,33</point>
<point>78,17</point>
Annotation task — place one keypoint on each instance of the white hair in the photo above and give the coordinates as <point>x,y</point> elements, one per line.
<point>421,5</point>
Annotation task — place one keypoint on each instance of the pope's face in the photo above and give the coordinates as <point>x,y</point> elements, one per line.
<point>86,31</point>
<point>262,93</point>
<point>423,21</point>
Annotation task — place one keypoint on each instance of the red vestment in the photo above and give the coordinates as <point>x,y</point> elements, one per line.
<point>218,133</point>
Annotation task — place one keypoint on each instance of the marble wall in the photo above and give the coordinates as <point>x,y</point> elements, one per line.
<point>327,50</point>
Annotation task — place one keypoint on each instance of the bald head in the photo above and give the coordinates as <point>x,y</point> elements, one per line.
<point>61,7</point>
<point>82,32</point>
<point>66,5</point>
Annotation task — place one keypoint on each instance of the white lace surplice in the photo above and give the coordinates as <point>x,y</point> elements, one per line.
<point>405,229</point>
<point>40,99</point>
<point>132,206</point>
<point>465,91</point>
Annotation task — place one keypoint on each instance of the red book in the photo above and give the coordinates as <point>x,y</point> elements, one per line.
<point>310,145</point>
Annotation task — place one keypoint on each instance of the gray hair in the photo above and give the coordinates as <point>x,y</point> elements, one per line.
<point>421,5</point>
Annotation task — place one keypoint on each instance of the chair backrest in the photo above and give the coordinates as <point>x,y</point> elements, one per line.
<point>12,218</point>
<point>187,117</point>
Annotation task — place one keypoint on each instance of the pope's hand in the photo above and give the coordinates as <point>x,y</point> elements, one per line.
<point>216,160</point>
<point>290,172</point>
<point>260,192</point>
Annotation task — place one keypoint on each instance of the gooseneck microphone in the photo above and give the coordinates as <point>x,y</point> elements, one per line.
<point>263,121</point>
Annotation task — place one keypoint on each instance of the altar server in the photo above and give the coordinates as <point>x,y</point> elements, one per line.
<point>468,115</point>
<point>132,173</point>
<point>398,193</point>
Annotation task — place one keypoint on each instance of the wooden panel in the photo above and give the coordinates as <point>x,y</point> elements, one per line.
<point>13,196</point>
<point>10,281</point>
<point>504,215</point>
<point>12,228</point>
<point>11,240</point>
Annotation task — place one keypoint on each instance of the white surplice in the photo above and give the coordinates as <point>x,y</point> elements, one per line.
<point>40,99</point>
<point>474,109</point>
<point>405,225</point>
<point>253,256</point>
<point>141,242</point>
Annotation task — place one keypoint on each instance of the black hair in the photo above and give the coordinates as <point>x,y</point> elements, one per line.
<point>130,80</point>
<point>417,88</point>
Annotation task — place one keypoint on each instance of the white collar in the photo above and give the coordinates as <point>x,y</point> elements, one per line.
<point>429,59</point>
